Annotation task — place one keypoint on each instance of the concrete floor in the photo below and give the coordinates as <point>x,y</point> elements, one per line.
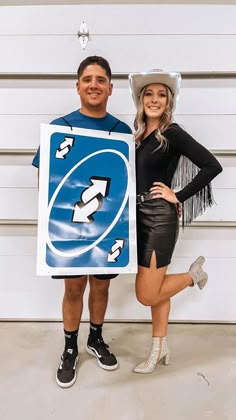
<point>198,384</point>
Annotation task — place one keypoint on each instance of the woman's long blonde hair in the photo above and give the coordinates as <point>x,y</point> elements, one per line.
<point>166,119</point>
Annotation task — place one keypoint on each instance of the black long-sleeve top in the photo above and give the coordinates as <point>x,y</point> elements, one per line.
<point>159,165</point>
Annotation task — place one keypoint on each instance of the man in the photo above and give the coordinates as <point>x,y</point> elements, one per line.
<point>94,88</point>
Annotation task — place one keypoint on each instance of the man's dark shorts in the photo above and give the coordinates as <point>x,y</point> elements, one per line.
<point>97,276</point>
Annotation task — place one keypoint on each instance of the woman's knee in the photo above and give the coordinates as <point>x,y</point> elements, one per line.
<point>148,285</point>
<point>147,299</point>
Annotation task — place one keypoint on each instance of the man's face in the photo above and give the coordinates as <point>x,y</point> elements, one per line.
<point>94,88</point>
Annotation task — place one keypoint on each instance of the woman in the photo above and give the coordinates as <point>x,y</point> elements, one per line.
<point>166,155</point>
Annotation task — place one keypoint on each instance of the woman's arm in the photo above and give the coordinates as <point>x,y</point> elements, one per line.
<point>209,166</point>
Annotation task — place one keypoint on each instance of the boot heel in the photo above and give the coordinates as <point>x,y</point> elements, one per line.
<point>203,283</point>
<point>166,359</point>
<point>160,353</point>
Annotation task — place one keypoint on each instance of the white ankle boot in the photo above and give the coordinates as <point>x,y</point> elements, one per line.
<point>160,352</point>
<point>199,276</point>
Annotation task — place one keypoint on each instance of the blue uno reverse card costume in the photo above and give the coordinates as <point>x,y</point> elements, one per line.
<point>88,207</point>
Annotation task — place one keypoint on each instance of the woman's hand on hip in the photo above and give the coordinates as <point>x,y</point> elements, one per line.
<point>160,190</point>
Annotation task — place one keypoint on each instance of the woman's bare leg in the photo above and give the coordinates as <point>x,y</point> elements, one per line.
<point>160,316</point>
<point>154,286</point>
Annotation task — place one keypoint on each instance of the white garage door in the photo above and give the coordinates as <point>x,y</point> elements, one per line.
<point>40,53</point>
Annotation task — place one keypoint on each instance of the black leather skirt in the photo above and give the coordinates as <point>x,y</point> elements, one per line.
<point>157,230</point>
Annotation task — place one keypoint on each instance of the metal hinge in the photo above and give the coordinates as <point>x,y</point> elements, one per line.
<point>83,35</point>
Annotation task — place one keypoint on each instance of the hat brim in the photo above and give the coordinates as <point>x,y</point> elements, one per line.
<point>137,81</point>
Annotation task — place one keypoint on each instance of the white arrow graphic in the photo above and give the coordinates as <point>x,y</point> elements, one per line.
<point>100,186</point>
<point>61,154</point>
<point>91,200</point>
<point>64,147</point>
<point>113,257</point>
<point>116,250</point>
<point>119,243</point>
<point>83,213</point>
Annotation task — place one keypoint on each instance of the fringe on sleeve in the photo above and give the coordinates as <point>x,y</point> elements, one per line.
<point>196,205</point>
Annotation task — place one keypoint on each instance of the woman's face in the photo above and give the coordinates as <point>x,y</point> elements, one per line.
<point>155,100</point>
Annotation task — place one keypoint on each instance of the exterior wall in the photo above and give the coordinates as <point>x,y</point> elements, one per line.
<point>40,53</point>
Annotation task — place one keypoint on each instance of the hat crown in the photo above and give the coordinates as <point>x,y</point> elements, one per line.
<point>156,71</point>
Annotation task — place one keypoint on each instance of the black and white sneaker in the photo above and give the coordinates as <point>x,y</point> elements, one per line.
<point>99,349</point>
<point>66,373</point>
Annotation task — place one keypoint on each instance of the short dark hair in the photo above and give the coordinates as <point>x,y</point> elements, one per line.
<point>94,59</point>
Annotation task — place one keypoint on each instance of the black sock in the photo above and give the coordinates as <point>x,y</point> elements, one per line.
<point>95,331</point>
<point>71,340</point>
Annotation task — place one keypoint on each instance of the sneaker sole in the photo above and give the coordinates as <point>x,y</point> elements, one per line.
<point>105,367</point>
<point>68,384</point>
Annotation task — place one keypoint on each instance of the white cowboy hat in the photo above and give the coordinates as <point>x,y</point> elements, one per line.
<point>137,81</point>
